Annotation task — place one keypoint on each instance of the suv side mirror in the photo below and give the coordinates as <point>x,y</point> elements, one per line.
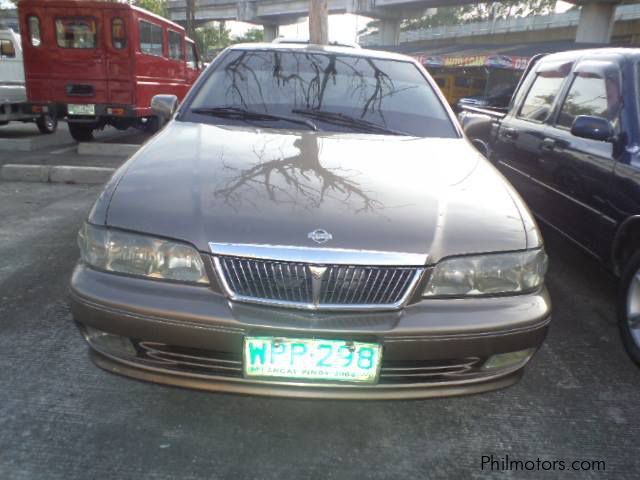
<point>164,106</point>
<point>593,128</point>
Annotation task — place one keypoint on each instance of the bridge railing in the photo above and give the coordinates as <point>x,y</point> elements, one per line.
<point>520,24</point>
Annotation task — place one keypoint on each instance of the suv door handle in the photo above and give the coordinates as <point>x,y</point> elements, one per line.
<point>548,145</point>
<point>509,132</point>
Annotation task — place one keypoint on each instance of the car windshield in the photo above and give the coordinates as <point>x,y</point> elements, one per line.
<point>337,92</point>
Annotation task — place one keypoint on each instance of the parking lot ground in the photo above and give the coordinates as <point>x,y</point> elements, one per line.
<point>64,150</point>
<point>63,418</point>
<point>19,130</point>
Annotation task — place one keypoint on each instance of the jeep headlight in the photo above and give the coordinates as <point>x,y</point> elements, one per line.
<point>491,274</point>
<point>140,255</point>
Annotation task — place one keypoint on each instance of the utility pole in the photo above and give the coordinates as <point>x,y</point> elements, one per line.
<point>318,22</point>
<point>190,26</point>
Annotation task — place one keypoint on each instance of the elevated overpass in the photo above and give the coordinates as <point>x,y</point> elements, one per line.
<point>273,13</point>
<point>595,26</point>
<point>555,27</point>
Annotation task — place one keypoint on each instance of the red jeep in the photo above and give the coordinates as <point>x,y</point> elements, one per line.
<point>100,63</point>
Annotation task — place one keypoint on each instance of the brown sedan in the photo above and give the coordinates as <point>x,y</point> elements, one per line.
<point>311,222</point>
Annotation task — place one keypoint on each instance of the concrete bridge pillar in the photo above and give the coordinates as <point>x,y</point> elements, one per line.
<point>596,23</point>
<point>389,31</point>
<point>271,32</point>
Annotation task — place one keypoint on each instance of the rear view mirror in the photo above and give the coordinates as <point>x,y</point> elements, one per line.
<point>593,128</point>
<point>164,106</point>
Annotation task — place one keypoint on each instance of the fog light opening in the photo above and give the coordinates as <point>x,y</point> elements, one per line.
<point>509,359</point>
<point>108,342</point>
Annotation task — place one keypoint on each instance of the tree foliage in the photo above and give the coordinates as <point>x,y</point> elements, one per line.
<point>479,12</point>
<point>251,35</point>
<point>214,35</point>
<point>159,7</point>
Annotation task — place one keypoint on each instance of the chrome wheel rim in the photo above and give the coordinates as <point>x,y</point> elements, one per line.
<point>633,308</point>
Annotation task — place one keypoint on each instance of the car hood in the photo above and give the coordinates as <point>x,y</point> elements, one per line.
<point>202,183</point>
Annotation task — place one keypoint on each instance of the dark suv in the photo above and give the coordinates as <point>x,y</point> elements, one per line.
<point>570,143</point>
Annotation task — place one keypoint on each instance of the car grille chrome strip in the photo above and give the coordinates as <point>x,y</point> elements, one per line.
<point>313,287</point>
<point>318,256</point>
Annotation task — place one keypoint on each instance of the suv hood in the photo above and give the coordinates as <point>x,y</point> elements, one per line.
<point>201,183</point>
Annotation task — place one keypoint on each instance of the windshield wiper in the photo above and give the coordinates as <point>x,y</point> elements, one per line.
<point>346,120</point>
<point>244,114</point>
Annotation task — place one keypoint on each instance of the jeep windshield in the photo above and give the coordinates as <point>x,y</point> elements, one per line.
<point>336,92</point>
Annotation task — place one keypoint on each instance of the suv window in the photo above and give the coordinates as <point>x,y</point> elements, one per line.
<point>591,94</point>
<point>76,32</point>
<point>175,45</point>
<point>542,94</point>
<point>537,105</point>
<point>7,49</point>
<point>392,94</point>
<point>34,31</point>
<point>192,56</point>
<point>118,33</point>
<point>151,41</point>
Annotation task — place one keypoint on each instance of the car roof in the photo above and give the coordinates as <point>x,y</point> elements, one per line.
<point>101,4</point>
<point>308,47</point>
<point>298,41</point>
<point>8,33</point>
<point>613,53</point>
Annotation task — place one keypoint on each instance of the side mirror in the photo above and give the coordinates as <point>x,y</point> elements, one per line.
<point>593,128</point>
<point>164,106</point>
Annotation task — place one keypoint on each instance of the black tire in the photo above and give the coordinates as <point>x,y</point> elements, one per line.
<point>153,125</point>
<point>47,124</point>
<point>81,132</point>
<point>629,307</point>
<point>481,146</point>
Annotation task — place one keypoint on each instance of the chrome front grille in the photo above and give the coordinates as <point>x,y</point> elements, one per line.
<point>312,286</point>
<point>267,280</point>
<point>365,285</point>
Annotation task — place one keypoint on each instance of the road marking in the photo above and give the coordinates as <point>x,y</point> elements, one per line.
<point>63,150</point>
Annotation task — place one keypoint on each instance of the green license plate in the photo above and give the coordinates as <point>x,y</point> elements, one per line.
<point>73,109</point>
<point>312,359</point>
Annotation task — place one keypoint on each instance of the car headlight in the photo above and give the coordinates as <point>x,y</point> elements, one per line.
<point>490,274</point>
<point>134,254</point>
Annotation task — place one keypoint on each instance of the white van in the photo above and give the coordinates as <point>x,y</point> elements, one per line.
<point>13,95</point>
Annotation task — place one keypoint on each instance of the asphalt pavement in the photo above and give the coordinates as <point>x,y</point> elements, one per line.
<point>63,418</point>
<point>59,148</point>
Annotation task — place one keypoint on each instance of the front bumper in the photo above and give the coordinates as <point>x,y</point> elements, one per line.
<point>192,336</point>
<point>15,112</point>
<point>102,110</point>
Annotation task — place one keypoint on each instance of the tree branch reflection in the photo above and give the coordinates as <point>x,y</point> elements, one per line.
<point>304,81</point>
<point>299,180</point>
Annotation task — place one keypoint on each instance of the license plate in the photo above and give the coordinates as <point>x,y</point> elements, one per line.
<point>312,359</point>
<point>81,109</point>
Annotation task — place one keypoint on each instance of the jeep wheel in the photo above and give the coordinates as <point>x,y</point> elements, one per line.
<point>81,132</point>
<point>153,125</point>
<point>629,308</point>
<point>47,123</point>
